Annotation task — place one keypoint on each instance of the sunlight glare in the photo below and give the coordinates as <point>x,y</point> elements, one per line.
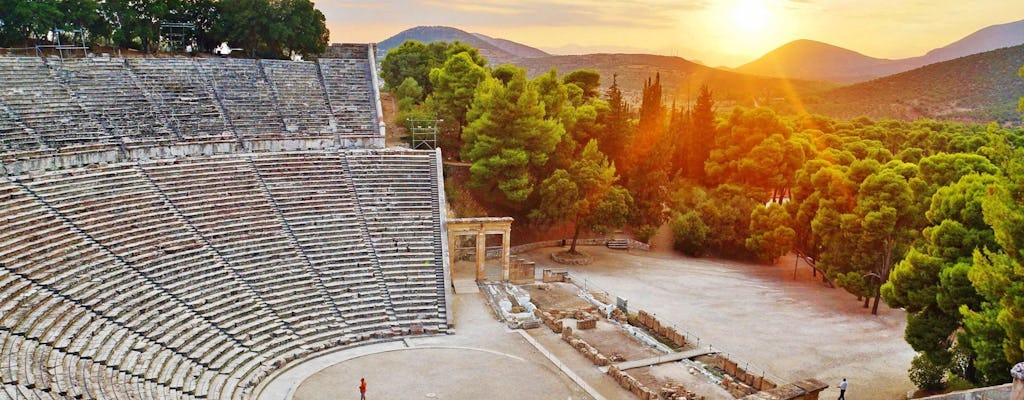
<point>751,16</point>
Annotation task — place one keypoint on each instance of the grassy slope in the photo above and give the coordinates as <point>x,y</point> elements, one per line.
<point>977,88</point>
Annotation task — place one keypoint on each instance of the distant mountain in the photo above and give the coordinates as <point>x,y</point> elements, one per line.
<point>497,51</point>
<point>978,88</point>
<point>680,78</point>
<point>515,48</point>
<point>807,59</point>
<point>990,38</point>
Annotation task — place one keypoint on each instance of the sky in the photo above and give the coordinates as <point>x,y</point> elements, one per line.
<point>714,32</point>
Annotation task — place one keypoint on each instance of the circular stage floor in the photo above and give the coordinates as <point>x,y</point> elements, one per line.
<point>450,373</point>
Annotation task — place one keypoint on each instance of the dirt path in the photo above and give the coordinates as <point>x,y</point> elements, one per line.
<point>394,132</point>
<point>793,328</point>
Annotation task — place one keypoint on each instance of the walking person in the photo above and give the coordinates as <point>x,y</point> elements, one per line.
<point>362,388</point>
<point>842,390</point>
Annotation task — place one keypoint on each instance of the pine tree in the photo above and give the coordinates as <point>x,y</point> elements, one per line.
<point>618,136</point>
<point>508,139</point>
<point>700,136</point>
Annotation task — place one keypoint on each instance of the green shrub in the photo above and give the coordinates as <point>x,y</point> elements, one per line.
<point>645,233</point>
<point>689,233</point>
<point>926,374</point>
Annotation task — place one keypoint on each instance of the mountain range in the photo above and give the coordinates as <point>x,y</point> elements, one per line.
<point>680,78</point>
<point>809,59</point>
<point>973,79</point>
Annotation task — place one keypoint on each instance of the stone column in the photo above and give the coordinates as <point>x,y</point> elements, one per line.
<point>481,255</point>
<point>1017,372</point>
<point>506,253</point>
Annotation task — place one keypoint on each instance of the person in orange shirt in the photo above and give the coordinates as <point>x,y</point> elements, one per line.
<point>362,388</point>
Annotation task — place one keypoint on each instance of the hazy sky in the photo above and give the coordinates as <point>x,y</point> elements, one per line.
<point>716,32</point>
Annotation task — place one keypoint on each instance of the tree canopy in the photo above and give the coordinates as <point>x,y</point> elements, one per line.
<point>265,28</point>
<point>584,195</point>
<point>927,216</point>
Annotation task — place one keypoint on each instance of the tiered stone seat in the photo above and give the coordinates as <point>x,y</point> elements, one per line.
<point>318,204</point>
<point>395,193</point>
<point>70,293</point>
<point>14,135</point>
<point>108,90</point>
<point>142,277</point>
<point>245,94</point>
<point>119,208</point>
<point>36,369</point>
<point>223,199</point>
<point>181,95</point>
<point>351,94</point>
<point>301,98</point>
<point>30,92</point>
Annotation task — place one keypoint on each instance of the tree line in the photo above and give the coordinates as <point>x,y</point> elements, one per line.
<point>927,216</point>
<point>262,28</point>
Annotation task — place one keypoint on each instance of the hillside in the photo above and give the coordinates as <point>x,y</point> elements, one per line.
<point>808,59</point>
<point>680,78</point>
<point>977,88</point>
<point>830,63</point>
<point>990,38</point>
<point>514,48</point>
<point>497,51</point>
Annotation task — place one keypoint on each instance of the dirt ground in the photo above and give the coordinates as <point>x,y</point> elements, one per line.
<point>556,296</point>
<point>792,327</point>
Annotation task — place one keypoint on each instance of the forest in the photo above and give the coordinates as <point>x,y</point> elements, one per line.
<point>926,215</point>
<point>261,28</point>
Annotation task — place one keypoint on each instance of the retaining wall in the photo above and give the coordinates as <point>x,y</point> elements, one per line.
<point>1001,392</point>
<point>19,163</point>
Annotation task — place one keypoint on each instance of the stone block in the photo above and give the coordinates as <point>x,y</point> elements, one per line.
<point>586,324</point>
<point>730,367</point>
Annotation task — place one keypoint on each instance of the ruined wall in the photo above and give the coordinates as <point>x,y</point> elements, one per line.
<point>521,271</point>
<point>737,380</point>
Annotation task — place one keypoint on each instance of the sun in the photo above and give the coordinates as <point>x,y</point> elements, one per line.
<point>751,16</point>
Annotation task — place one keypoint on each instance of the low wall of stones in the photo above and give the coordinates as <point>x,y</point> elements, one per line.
<point>1009,391</point>
<point>495,253</point>
<point>551,321</point>
<point>625,380</point>
<point>578,259</point>
<point>737,380</point>
<point>633,244</point>
<point>1001,392</point>
<point>669,333</point>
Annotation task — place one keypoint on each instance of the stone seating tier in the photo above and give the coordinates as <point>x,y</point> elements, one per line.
<point>54,104</point>
<point>197,277</point>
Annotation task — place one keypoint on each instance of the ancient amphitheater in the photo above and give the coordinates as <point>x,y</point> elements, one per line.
<point>182,228</point>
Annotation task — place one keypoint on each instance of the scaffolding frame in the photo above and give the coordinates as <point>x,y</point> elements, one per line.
<point>177,35</point>
<point>77,35</point>
<point>423,133</point>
